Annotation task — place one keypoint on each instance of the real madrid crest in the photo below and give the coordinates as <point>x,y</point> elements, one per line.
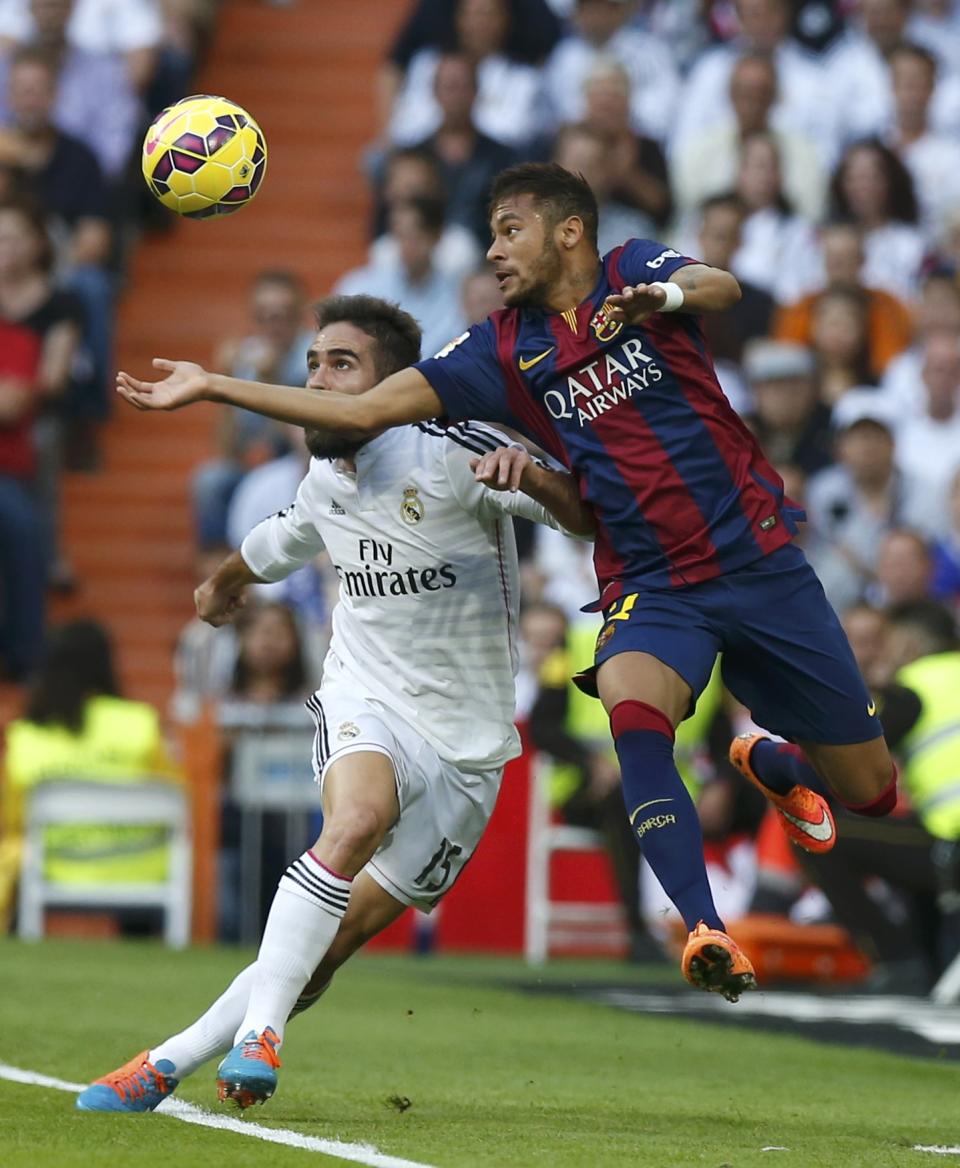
<point>347,731</point>
<point>605,329</point>
<point>411,508</point>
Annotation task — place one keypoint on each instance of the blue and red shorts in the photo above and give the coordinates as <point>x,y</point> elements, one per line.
<point>784,653</point>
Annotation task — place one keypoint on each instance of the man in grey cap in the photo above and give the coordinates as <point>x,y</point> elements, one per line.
<point>788,418</point>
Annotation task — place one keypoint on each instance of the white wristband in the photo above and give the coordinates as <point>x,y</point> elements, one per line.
<point>673,293</point>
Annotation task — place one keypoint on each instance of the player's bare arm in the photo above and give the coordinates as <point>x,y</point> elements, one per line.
<point>511,468</point>
<point>701,289</point>
<point>403,397</point>
<point>223,594</point>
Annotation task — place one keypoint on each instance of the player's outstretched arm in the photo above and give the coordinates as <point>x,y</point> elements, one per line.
<point>698,288</point>
<point>403,397</point>
<point>511,468</point>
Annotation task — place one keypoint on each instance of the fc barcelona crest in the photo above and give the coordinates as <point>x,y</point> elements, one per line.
<point>411,508</point>
<point>603,327</point>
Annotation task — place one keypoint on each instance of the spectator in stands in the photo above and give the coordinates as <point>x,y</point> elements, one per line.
<point>788,417</point>
<point>480,295</point>
<point>873,189</point>
<point>933,24</point>
<point>131,28</point>
<point>270,665</point>
<point>584,782</point>
<point>543,630</point>
<point>636,161</point>
<point>95,100</point>
<point>262,492</point>
<point>408,174</point>
<point>933,159</point>
<point>533,31</point>
<point>602,29</point>
<point>418,286</point>
<point>467,158</point>
<point>63,176</point>
<point>928,443</point>
<point>889,324</point>
<point>205,657</point>
<point>721,220</point>
<point>901,937</point>
<point>945,585</point>
<point>840,342</point>
<point>22,559</point>
<point>274,351</point>
<point>582,151</point>
<point>29,298</point>
<point>936,311</point>
<point>855,503</point>
<point>904,568</point>
<point>707,164</point>
<point>508,92</point>
<point>776,248</point>
<point>764,28</point>
<point>77,725</point>
<point>858,74</point>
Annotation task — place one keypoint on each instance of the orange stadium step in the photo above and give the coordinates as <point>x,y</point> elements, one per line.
<point>311,85</point>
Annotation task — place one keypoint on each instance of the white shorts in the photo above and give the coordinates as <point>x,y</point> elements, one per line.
<point>443,810</point>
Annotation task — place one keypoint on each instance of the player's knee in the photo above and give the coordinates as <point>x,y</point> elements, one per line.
<point>353,832</point>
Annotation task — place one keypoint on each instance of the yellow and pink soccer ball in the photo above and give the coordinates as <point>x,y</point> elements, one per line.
<point>204,156</point>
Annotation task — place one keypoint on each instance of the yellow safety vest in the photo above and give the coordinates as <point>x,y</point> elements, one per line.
<point>588,723</point>
<point>931,751</point>
<point>120,741</point>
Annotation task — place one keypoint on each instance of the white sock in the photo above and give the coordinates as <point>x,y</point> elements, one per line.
<point>306,912</point>
<point>212,1033</point>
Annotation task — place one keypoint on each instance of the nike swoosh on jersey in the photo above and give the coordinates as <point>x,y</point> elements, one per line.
<point>526,363</point>
<point>821,831</point>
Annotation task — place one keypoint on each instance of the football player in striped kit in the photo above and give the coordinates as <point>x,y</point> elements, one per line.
<point>414,718</point>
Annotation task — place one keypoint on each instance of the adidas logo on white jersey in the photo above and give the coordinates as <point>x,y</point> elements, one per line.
<point>336,509</point>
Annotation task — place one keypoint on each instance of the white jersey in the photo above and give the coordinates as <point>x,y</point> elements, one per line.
<point>426,622</point>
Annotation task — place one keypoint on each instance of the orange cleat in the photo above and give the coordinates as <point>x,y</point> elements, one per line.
<point>806,816</point>
<point>248,1074</point>
<point>713,961</point>
<point>138,1085</point>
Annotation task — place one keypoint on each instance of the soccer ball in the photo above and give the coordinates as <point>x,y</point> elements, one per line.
<point>204,156</point>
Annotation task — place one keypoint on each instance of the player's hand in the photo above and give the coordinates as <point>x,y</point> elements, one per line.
<point>217,605</point>
<point>636,303</point>
<point>503,468</point>
<point>185,382</point>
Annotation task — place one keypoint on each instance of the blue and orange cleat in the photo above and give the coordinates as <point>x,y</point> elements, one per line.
<point>138,1085</point>
<point>806,816</point>
<point>713,961</point>
<point>248,1074</point>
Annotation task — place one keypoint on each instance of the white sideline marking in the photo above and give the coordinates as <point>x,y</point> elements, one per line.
<point>189,1113</point>
<point>937,1149</point>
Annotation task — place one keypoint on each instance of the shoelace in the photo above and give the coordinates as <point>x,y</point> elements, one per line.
<point>135,1084</point>
<point>262,1049</point>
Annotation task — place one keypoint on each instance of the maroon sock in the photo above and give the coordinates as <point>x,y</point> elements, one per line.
<point>882,805</point>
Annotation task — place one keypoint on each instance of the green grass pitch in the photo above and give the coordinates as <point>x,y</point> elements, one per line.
<point>495,1077</point>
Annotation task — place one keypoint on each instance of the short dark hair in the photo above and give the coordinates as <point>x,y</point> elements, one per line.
<point>77,665</point>
<point>934,620</point>
<point>430,212</point>
<point>912,49</point>
<point>280,278</point>
<point>561,193</point>
<point>396,334</point>
<point>726,201</point>
<point>35,55</point>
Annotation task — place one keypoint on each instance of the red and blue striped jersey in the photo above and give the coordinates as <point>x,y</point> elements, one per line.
<point>681,490</point>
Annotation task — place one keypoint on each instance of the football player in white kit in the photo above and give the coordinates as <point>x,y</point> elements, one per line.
<point>415,713</point>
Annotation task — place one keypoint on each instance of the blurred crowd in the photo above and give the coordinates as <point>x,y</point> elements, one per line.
<point>811,147</point>
<point>79,82</point>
